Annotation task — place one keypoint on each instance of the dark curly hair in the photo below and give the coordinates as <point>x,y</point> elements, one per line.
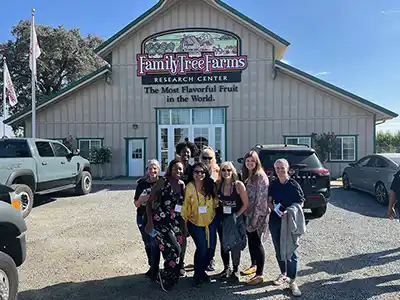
<point>186,144</point>
<point>209,184</point>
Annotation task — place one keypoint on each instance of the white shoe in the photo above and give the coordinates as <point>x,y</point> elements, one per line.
<point>294,288</point>
<point>280,280</point>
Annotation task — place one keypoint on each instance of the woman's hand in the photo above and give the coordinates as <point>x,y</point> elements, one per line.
<point>149,226</point>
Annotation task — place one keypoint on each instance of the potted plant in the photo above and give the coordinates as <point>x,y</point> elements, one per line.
<point>100,156</point>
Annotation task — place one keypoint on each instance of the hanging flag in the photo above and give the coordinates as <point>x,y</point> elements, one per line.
<point>34,51</point>
<point>9,87</point>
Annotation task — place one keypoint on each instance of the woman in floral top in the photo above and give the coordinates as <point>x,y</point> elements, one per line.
<point>257,214</point>
<point>163,207</point>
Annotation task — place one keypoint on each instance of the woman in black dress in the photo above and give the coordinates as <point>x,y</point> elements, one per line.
<point>165,200</point>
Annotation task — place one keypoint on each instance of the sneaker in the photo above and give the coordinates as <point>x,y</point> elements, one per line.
<point>224,274</point>
<point>294,288</point>
<point>234,277</point>
<point>182,272</point>
<point>211,266</point>
<point>280,280</point>
<point>255,280</point>
<point>249,271</point>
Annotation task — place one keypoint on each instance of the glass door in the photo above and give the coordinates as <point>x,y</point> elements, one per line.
<point>201,136</point>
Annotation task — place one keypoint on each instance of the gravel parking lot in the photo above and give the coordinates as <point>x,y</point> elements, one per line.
<point>90,248</point>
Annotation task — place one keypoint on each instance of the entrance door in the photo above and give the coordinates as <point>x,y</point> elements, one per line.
<point>203,126</point>
<point>136,156</point>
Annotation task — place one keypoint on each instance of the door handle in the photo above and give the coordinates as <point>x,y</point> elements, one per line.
<point>63,162</point>
<point>44,163</point>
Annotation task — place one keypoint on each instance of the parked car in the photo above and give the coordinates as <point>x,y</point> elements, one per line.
<point>12,242</point>
<point>305,168</point>
<point>38,166</point>
<point>372,174</point>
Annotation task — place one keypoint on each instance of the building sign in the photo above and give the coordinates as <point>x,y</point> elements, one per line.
<point>191,56</point>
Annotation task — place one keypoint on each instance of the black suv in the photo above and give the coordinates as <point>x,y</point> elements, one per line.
<point>305,168</point>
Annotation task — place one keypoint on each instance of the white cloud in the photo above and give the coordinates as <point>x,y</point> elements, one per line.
<point>386,12</point>
<point>321,73</point>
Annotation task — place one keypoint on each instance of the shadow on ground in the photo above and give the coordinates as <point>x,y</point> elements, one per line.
<point>353,263</point>
<point>358,202</point>
<point>138,287</point>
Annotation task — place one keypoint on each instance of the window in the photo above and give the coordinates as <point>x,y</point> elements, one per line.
<point>44,149</point>
<point>86,145</point>
<point>304,140</point>
<point>60,150</point>
<point>344,149</point>
<point>218,116</point>
<point>308,158</point>
<point>180,116</point>
<point>364,161</point>
<point>201,116</point>
<point>14,148</point>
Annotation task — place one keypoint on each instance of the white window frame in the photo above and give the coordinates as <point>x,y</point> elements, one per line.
<point>211,126</point>
<point>341,146</point>
<point>298,137</point>
<point>90,142</point>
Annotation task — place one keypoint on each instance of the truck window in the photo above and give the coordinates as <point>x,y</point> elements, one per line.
<point>60,150</point>
<point>14,148</point>
<point>44,149</point>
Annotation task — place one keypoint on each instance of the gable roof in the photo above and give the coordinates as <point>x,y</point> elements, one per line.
<point>280,43</point>
<point>380,112</point>
<point>27,112</point>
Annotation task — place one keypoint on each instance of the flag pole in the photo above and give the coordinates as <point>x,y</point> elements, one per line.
<point>33,76</point>
<point>4,96</point>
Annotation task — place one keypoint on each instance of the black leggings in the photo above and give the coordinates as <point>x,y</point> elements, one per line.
<point>257,252</point>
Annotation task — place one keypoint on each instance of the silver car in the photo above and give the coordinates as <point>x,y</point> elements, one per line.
<point>373,174</point>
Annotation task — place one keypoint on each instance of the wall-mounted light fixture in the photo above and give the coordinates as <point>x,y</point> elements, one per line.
<point>135,126</point>
<point>108,79</point>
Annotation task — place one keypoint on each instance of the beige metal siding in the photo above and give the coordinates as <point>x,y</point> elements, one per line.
<point>261,112</point>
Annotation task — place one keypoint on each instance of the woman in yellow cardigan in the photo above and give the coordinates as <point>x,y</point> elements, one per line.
<point>199,211</point>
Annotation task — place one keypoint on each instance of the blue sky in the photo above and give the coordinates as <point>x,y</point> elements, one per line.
<point>356,47</point>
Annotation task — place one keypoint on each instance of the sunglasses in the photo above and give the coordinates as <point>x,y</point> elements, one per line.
<point>206,158</point>
<point>199,172</point>
<point>226,170</point>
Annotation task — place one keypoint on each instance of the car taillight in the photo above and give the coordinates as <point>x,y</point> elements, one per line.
<point>320,171</point>
<point>268,171</point>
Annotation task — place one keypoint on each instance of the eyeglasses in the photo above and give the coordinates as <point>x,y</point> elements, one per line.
<point>206,158</point>
<point>226,170</point>
<point>199,172</point>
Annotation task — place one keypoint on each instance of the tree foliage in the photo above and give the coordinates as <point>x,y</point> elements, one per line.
<point>66,56</point>
<point>323,144</point>
<point>388,142</point>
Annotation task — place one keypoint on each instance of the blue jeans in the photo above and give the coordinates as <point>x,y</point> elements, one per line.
<point>203,254</point>
<point>289,267</point>
<point>150,245</point>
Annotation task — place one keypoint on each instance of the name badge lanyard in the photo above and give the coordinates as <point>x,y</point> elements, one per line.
<point>197,194</point>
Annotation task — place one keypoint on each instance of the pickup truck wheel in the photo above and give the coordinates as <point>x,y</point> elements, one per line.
<point>8,278</point>
<point>27,198</point>
<point>84,187</point>
<point>318,212</point>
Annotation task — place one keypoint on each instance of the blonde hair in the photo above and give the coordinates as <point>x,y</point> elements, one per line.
<point>213,163</point>
<point>153,162</point>
<point>228,164</point>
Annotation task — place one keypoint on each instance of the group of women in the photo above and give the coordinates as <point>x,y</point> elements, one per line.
<point>203,201</point>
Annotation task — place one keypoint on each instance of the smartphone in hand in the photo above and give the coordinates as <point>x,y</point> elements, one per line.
<point>279,209</point>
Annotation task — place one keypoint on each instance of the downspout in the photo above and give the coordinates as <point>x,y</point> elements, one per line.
<point>273,63</point>
<point>374,133</point>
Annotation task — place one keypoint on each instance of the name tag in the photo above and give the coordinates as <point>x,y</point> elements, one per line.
<point>202,209</point>
<point>227,210</point>
<point>178,208</point>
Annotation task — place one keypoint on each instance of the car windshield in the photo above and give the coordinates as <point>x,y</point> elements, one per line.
<point>14,148</point>
<point>268,157</point>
